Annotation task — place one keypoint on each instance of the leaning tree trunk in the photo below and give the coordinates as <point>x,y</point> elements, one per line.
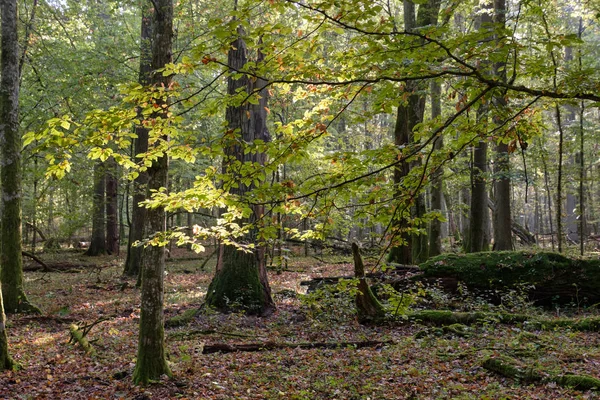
<point>98,243</point>
<point>240,281</point>
<point>151,360</point>
<point>138,214</point>
<point>112,208</point>
<point>11,277</point>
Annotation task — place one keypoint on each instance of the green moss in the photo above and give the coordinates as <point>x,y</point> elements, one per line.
<point>236,286</point>
<point>572,279</point>
<point>579,382</point>
<point>182,319</point>
<point>511,368</point>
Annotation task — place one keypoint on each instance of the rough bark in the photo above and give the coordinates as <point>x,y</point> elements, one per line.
<point>151,358</point>
<point>98,242</point>
<point>240,281</point>
<point>112,208</point>
<point>11,261</point>
<point>138,214</point>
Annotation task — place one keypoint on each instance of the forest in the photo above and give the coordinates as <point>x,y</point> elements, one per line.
<point>299,199</point>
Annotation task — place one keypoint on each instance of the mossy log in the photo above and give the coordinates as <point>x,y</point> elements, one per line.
<point>512,368</point>
<point>368,307</point>
<point>547,278</point>
<point>78,336</point>
<point>448,318</point>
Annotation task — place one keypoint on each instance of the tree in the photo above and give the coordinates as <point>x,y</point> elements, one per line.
<point>112,207</point>
<point>240,279</point>
<point>502,214</point>
<point>151,359</point>
<point>6,361</point>
<point>98,243</point>
<point>11,266</point>
<point>138,214</point>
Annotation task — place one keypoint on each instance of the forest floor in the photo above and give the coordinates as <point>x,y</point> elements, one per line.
<point>433,366</point>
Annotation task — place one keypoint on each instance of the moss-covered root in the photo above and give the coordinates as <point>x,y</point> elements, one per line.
<point>512,368</point>
<point>368,307</point>
<point>77,336</point>
<point>182,319</point>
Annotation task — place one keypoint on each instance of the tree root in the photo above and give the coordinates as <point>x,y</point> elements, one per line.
<point>512,368</point>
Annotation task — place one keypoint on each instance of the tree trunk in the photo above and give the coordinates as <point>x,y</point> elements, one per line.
<point>138,214</point>
<point>437,194</point>
<point>98,242</point>
<point>151,361</point>
<point>240,281</point>
<point>5,361</point>
<point>112,208</point>
<point>11,277</point>
<point>369,309</point>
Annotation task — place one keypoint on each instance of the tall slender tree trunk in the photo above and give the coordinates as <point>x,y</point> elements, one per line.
<point>411,248</point>
<point>437,182</point>
<point>240,281</point>
<point>151,359</point>
<point>112,207</point>
<point>11,265</point>
<point>140,184</point>
<point>98,243</point>
<point>502,213</point>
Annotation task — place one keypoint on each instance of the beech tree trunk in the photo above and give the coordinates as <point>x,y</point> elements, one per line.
<point>11,265</point>
<point>151,361</point>
<point>437,182</point>
<point>138,214</point>
<point>240,281</point>
<point>5,361</point>
<point>112,207</point>
<point>98,243</point>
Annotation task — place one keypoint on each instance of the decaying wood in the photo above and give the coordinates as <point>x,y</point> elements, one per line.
<point>514,369</point>
<point>233,348</point>
<point>368,307</point>
<point>78,336</point>
<point>45,266</point>
<point>58,266</point>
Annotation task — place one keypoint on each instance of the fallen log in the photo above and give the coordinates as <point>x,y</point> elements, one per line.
<point>514,369</point>
<point>45,266</point>
<point>546,278</point>
<point>252,347</point>
<point>447,318</point>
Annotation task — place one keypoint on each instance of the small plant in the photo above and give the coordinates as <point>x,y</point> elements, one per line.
<point>332,303</point>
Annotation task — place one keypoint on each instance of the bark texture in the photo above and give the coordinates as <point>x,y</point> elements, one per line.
<point>151,359</point>
<point>140,184</point>
<point>98,242</point>
<point>240,280</point>
<point>6,361</point>
<point>11,266</point>
<point>369,309</point>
